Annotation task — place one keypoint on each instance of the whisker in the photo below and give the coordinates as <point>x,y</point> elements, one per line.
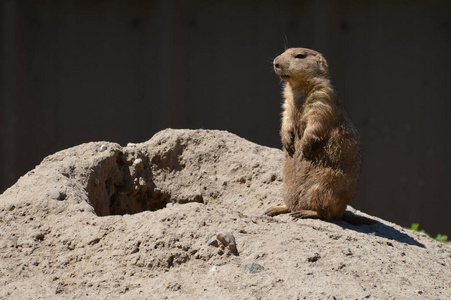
<point>285,41</point>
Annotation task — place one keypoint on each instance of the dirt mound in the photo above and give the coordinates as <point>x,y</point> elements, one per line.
<point>141,222</point>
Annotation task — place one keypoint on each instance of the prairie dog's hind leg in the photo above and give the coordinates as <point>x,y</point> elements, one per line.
<point>277,210</point>
<point>305,214</point>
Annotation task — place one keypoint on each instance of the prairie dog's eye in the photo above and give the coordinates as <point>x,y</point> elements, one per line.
<point>300,56</point>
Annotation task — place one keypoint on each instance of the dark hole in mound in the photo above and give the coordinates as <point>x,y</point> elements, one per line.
<point>122,184</point>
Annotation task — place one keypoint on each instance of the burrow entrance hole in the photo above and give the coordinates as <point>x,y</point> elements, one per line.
<point>124,183</point>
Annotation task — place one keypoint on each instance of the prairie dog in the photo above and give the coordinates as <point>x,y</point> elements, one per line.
<point>322,152</point>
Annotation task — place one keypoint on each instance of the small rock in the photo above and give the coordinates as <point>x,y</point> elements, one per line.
<point>253,268</point>
<point>57,195</point>
<point>103,148</point>
<point>39,236</point>
<point>213,269</point>
<point>446,254</point>
<point>169,204</point>
<point>14,240</point>
<point>73,154</point>
<point>314,258</point>
<point>174,286</point>
<point>270,178</point>
<point>228,240</point>
<point>348,253</point>
<point>213,242</point>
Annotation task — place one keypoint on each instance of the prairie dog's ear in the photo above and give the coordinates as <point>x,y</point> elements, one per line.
<point>322,63</point>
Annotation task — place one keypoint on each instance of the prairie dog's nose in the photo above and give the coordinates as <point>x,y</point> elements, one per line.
<point>276,63</point>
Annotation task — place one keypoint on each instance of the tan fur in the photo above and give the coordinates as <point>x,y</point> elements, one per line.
<point>322,153</point>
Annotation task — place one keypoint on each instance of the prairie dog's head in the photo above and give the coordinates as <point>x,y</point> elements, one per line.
<point>300,64</point>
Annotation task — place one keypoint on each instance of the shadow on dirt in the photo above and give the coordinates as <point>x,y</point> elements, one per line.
<point>381,230</point>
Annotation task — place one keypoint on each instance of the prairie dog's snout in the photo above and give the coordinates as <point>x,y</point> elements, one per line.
<point>279,68</point>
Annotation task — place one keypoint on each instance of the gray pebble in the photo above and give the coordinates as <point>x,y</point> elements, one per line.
<point>14,240</point>
<point>253,268</point>
<point>169,204</point>
<point>103,148</point>
<point>57,195</point>
<point>213,242</point>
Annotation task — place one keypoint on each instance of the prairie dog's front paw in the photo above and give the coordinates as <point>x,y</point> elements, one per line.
<point>309,145</point>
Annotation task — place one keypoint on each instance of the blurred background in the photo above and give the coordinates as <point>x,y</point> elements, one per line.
<point>80,71</point>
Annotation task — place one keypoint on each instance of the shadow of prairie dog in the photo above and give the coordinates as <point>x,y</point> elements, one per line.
<point>322,152</point>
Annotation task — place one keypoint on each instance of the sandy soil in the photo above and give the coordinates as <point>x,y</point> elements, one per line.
<point>101,221</point>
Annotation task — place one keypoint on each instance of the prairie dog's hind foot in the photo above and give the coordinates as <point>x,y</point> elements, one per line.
<point>277,210</point>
